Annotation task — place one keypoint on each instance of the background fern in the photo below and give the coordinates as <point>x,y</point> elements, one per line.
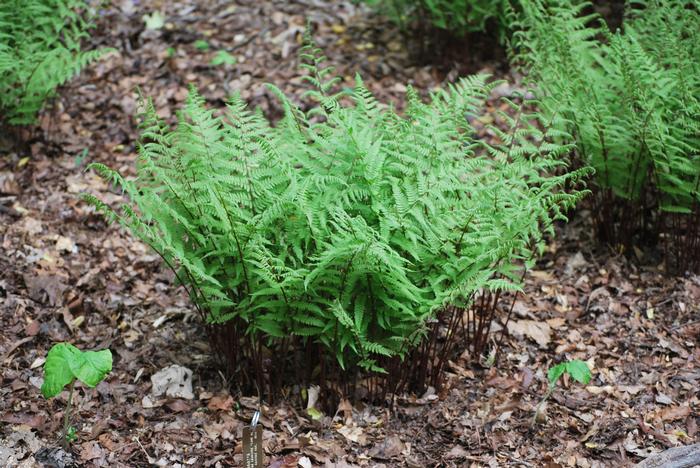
<point>39,50</point>
<point>630,99</point>
<point>349,225</point>
<point>456,16</point>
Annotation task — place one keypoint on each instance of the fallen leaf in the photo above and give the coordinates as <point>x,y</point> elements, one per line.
<point>631,446</point>
<point>390,447</point>
<point>338,28</point>
<point>178,406</point>
<point>540,332</point>
<point>631,389</point>
<point>37,362</point>
<point>31,226</point>
<point>541,275</point>
<point>35,421</point>
<point>221,403</point>
<point>692,425</point>
<point>456,452</point>
<point>288,461</point>
<point>90,451</point>
<point>353,434</point>
<point>8,185</point>
<point>574,263</point>
<point>43,287</point>
<point>557,322</point>
<point>64,244</point>
<point>32,328</point>
<point>148,402</point>
<point>673,413</point>
<point>664,399</point>
<point>609,389</point>
<point>346,408</point>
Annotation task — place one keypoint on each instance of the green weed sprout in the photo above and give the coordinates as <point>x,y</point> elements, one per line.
<point>577,369</point>
<point>223,58</point>
<point>64,365</point>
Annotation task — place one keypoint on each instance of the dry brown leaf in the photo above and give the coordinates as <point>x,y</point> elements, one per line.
<point>221,403</point>
<point>65,244</point>
<point>673,413</point>
<point>557,322</point>
<point>542,275</point>
<point>540,332</point>
<point>390,447</point>
<point>90,451</point>
<point>354,434</point>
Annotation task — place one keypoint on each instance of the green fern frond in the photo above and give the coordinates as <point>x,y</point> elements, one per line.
<point>39,51</point>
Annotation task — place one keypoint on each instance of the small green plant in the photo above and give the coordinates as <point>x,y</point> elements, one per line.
<point>201,44</point>
<point>223,58</point>
<point>456,16</point>
<point>39,50</point>
<point>64,365</point>
<point>576,369</point>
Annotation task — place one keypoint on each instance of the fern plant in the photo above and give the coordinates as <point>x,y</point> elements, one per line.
<point>456,16</point>
<point>345,228</point>
<point>630,98</point>
<point>39,50</point>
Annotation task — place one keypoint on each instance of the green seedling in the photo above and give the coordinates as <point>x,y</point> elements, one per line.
<point>223,58</point>
<point>64,365</point>
<point>70,435</point>
<point>577,369</point>
<point>81,157</point>
<point>201,45</point>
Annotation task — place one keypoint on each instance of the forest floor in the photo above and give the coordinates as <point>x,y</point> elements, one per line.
<point>67,276</point>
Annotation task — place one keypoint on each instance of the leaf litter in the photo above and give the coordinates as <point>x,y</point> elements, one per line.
<point>66,276</point>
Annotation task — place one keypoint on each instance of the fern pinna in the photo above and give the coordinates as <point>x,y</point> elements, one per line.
<point>631,99</point>
<point>341,230</point>
<point>39,50</point>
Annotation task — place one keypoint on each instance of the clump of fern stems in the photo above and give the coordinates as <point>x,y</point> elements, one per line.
<point>631,99</point>
<point>39,50</point>
<point>320,249</point>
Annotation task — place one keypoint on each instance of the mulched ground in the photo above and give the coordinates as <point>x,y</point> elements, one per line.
<point>65,275</point>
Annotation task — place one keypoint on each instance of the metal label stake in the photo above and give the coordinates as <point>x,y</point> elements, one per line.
<point>252,443</point>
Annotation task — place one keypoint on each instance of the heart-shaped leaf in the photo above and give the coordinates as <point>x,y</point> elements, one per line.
<point>65,362</point>
<point>92,367</point>
<point>57,370</point>
<point>579,371</point>
<point>555,372</point>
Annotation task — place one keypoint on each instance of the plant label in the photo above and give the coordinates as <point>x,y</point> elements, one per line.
<point>252,447</point>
